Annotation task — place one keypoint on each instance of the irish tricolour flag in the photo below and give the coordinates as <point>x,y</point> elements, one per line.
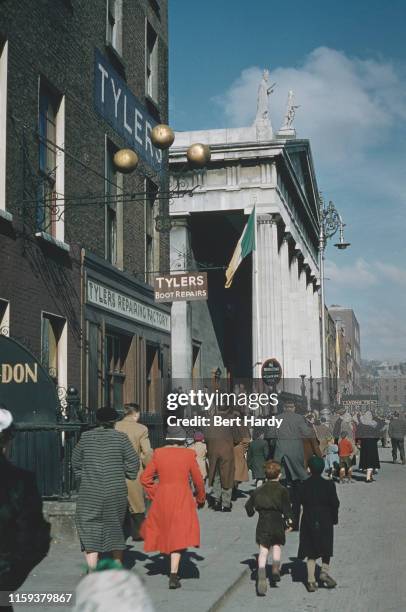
<point>245,245</point>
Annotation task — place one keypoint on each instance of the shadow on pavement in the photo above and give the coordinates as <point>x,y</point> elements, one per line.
<point>297,569</point>
<point>159,564</point>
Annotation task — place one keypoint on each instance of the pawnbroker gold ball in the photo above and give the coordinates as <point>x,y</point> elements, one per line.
<point>198,155</point>
<point>162,136</point>
<point>125,160</point>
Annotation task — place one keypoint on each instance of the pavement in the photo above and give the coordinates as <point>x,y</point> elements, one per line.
<point>369,563</point>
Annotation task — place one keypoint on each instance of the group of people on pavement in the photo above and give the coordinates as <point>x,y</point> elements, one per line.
<point>295,471</point>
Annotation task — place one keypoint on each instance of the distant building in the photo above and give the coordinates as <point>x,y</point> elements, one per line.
<point>346,320</point>
<point>388,381</point>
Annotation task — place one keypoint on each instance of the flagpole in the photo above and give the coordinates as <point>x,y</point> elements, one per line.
<point>258,351</point>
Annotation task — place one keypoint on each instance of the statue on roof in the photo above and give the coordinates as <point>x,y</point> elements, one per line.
<point>264,91</point>
<point>290,111</point>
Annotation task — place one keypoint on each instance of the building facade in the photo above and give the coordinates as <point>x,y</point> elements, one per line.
<point>346,321</point>
<point>78,241</point>
<point>272,309</point>
<point>388,381</point>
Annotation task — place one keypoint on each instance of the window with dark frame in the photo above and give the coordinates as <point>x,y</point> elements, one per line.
<point>116,350</point>
<point>46,198</point>
<point>150,231</point>
<point>51,332</point>
<point>152,63</point>
<point>111,191</point>
<point>114,29</point>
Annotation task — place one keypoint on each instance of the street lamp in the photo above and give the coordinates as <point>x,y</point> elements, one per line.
<point>330,223</point>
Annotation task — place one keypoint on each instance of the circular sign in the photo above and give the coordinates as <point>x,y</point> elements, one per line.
<point>271,372</point>
<point>25,386</point>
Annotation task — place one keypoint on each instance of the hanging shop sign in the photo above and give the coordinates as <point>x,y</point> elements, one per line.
<point>271,372</point>
<point>181,287</point>
<point>117,104</point>
<point>119,303</point>
<point>26,389</point>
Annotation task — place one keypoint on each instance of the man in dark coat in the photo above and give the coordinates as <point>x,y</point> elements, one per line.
<point>289,451</point>
<point>257,455</point>
<point>220,442</point>
<point>397,432</point>
<point>320,512</point>
<point>24,533</point>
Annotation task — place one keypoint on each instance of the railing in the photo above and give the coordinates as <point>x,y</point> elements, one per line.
<point>46,450</point>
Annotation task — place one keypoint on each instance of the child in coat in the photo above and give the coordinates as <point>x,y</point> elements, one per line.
<point>332,460</point>
<point>320,503</point>
<point>271,501</point>
<point>346,451</point>
<point>257,454</point>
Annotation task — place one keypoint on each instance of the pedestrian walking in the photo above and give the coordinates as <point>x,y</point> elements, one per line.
<point>240,451</point>
<point>102,461</point>
<point>289,452</point>
<point>24,533</point>
<point>332,460</point>
<point>256,456</point>
<point>139,438</point>
<point>200,448</point>
<point>346,453</point>
<point>172,524</point>
<point>397,432</point>
<point>220,442</point>
<point>310,444</point>
<point>323,433</point>
<point>367,435</point>
<point>320,503</point>
<point>271,501</point>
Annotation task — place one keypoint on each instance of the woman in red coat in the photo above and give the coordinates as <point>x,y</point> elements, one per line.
<point>172,524</point>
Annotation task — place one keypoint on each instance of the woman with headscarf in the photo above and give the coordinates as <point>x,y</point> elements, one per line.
<point>172,524</point>
<point>102,460</point>
<point>368,435</point>
<point>320,503</point>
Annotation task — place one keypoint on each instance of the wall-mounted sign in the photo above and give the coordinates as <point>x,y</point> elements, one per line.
<point>271,372</point>
<point>181,287</point>
<point>117,104</point>
<point>126,306</point>
<point>25,386</point>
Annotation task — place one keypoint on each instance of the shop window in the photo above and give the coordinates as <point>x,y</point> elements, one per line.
<point>114,26</point>
<point>114,210</point>
<point>53,347</point>
<point>3,122</point>
<point>4,318</point>
<point>116,351</point>
<point>151,63</point>
<point>51,129</point>
<point>151,234</point>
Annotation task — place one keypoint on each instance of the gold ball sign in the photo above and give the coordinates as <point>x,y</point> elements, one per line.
<point>125,160</point>
<point>198,155</point>
<point>162,136</point>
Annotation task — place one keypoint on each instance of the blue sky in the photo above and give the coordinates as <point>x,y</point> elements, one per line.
<point>346,62</point>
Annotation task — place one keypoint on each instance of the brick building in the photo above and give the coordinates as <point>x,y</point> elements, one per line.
<point>79,80</point>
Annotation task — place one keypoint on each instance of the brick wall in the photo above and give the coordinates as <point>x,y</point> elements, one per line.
<point>56,39</point>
